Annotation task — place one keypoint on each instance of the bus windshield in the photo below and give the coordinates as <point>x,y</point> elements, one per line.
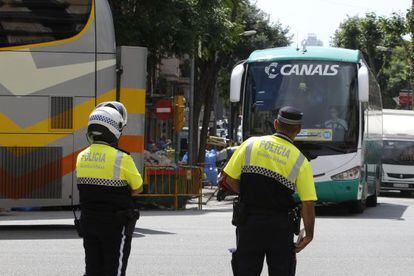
<point>326,93</point>
<point>398,152</point>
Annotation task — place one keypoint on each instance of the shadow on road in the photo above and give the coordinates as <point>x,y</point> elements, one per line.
<point>187,212</point>
<point>142,232</point>
<point>397,194</point>
<point>381,211</point>
<point>35,215</point>
<point>37,232</point>
<point>57,232</point>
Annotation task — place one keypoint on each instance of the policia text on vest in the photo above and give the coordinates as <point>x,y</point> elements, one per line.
<point>107,180</point>
<point>266,171</point>
<point>106,177</point>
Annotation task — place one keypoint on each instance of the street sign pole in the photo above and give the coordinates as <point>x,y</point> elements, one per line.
<point>176,135</point>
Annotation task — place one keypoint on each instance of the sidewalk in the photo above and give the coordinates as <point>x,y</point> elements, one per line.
<point>210,201</point>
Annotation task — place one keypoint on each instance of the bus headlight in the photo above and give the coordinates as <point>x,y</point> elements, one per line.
<point>348,174</point>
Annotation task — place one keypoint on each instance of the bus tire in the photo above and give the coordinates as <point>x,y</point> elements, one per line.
<point>372,200</point>
<point>357,207</point>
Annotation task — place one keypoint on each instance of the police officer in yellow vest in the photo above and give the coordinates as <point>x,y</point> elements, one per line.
<point>266,171</point>
<point>107,181</point>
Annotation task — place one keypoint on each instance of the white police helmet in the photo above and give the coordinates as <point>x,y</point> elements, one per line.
<point>105,125</point>
<point>118,106</point>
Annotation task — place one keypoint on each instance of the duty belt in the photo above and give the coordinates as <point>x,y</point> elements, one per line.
<point>262,210</point>
<point>121,216</point>
<point>127,218</point>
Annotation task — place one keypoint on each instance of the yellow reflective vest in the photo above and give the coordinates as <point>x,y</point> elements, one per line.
<point>274,157</point>
<point>105,178</point>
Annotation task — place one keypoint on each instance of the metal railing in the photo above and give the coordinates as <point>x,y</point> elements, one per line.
<point>173,182</point>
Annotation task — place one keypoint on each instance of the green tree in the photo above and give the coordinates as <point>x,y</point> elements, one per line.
<point>377,38</point>
<point>217,37</point>
<point>237,16</point>
<point>206,29</point>
<point>349,34</point>
<point>269,34</point>
<point>410,29</point>
<point>397,74</point>
<point>165,27</point>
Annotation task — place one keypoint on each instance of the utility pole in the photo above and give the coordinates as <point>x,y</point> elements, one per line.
<point>411,54</point>
<point>191,114</point>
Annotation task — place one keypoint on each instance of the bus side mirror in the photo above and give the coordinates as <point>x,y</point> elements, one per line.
<point>363,84</point>
<point>236,83</point>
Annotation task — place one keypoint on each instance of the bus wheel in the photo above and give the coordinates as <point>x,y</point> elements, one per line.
<point>357,207</point>
<point>372,201</point>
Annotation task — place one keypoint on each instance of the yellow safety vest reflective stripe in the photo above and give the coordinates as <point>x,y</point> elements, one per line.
<point>276,158</point>
<point>104,165</point>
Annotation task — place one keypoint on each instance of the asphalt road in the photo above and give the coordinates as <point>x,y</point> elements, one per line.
<point>378,242</point>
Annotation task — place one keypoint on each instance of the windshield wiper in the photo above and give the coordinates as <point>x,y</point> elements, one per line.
<point>334,148</point>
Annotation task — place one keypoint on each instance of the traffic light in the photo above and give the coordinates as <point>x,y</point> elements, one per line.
<point>179,118</point>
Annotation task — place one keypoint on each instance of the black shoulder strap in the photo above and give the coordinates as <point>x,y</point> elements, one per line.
<point>283,136</point>
<point>124,151</point>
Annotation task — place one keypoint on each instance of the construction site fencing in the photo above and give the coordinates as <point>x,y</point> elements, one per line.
<point>178,183</point>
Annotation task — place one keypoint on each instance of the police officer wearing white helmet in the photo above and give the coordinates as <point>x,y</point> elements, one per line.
<point>107,180</point>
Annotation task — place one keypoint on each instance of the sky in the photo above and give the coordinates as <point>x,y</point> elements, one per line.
<point>322,17</point>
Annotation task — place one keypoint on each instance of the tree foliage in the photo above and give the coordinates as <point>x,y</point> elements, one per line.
<point>208,30</point>
<point>410,28</point>
<point>165,27</point>
<point>397,73</point>
<point>238,16</point>
<point>269,35</point>
<point>380,39</point>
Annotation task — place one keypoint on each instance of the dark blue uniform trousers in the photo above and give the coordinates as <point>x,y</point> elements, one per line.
<point>107,247</point>
<point>263,235</point>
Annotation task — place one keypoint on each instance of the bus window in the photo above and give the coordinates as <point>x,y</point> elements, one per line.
<point>24,22</point>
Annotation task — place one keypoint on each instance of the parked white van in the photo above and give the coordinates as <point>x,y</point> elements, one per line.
<point>398,151</point>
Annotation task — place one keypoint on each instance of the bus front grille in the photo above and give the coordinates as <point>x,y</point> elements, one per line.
<point>30,172</point>
<point>400,175</point>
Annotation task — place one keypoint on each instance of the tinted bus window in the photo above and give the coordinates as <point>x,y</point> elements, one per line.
<point>25,22</point>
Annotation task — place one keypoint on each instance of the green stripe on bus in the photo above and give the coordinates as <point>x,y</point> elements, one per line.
<point>336,191</point>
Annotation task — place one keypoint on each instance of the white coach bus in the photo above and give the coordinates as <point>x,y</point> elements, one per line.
<point>341,102</point>
<point>58,59</point>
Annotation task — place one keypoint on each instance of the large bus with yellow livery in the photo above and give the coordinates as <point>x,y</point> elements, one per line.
<point>342,112</point>
<point>58,59</point>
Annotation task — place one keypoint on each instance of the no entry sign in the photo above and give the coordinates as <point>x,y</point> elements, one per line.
<point>163,109</point>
